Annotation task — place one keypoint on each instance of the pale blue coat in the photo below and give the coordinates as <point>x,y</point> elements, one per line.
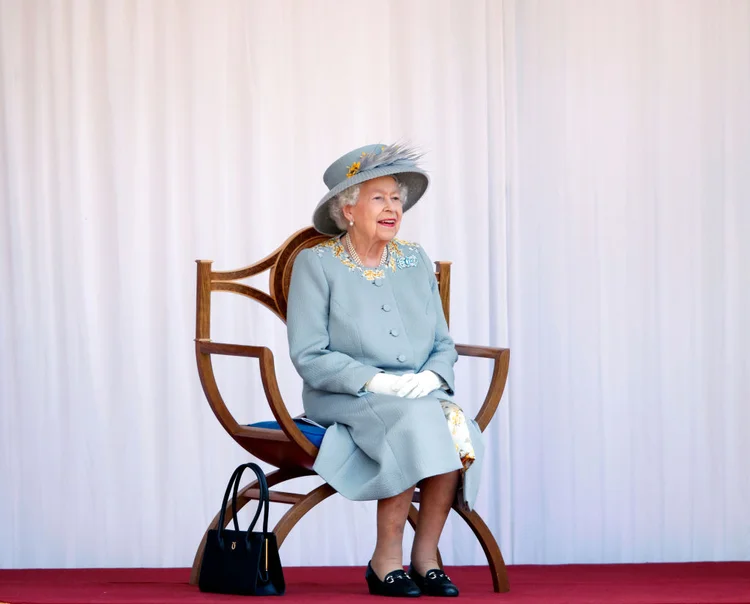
<point>346,324</point>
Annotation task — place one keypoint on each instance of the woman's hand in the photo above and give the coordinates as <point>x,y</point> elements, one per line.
<point>411,385</point>
<point>383,383</point>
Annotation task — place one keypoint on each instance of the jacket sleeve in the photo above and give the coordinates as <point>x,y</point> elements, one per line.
<point>443,355</point>
<point>308,306</point>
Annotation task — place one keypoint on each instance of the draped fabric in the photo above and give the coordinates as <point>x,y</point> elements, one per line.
<point>589,183</point>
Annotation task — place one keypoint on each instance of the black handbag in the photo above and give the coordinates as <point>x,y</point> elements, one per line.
<point>242,562</point>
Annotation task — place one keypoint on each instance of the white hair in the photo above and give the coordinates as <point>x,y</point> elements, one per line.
<point>349,197</point>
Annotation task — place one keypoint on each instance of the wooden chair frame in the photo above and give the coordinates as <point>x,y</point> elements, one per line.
<point>288,449</point>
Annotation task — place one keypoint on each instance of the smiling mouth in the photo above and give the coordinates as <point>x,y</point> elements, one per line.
<point>388,222</point>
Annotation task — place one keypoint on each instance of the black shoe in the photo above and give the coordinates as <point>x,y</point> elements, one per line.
<point>435,583</point>
<point>397,584</point>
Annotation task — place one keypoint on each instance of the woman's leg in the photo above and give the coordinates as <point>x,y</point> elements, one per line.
<point>392,515</point>
<point>436,497</point>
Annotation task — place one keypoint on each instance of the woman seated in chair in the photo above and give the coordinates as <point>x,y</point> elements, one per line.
<point>368,336</point>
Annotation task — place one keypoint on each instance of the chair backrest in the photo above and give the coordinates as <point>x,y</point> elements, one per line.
<point>280,263</point>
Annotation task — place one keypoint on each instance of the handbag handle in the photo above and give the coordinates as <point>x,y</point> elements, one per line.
<point>222,511</point>
<point>263,498</point>
<point>232,487</point>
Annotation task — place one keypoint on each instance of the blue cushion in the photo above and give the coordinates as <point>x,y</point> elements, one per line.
<point>313,433</point>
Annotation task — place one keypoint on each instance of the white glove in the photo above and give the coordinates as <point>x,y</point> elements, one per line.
<point>383,383</point>
<point>412,385</point>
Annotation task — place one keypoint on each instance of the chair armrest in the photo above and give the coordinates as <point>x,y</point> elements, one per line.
<point>205,348</point>
<point>496,388</point>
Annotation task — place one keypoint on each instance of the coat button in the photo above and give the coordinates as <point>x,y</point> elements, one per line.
<point>378,282</point>
<point>401,358</point>
<point>394,332</point>
<point>386,307</point>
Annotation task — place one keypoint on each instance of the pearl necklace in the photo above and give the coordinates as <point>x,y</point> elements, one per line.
<point>354,256</point>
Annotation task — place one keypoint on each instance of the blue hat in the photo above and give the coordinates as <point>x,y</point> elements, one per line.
<point>366,163</point>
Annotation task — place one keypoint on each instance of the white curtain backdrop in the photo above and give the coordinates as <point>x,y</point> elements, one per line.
<point>590,184</point>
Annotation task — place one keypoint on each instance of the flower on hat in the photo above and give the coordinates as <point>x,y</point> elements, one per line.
<point>353,169</point>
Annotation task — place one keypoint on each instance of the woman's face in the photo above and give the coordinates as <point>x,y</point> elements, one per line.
<point>377,213</point>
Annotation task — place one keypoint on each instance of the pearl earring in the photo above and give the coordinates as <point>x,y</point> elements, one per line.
<point>351,223</point>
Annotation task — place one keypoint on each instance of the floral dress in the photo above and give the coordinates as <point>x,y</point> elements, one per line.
<point>459,433</point>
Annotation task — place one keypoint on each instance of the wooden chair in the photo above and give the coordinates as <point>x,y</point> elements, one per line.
<point>288,449</point>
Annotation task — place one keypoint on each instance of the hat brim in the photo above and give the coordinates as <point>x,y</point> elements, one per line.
<point>415,179</point>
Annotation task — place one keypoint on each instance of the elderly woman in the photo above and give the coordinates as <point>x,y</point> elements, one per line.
<point>368,336</point>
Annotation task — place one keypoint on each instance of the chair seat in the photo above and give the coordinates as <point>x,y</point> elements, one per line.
<point>313,433</point>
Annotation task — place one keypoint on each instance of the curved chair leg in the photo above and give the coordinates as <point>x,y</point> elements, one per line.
<point>274,478</point>
<point>413,518</point>
<point>298,510</point>
<point>490,547</point>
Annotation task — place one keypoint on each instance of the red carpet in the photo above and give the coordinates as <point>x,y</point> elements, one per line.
<point>695,583</point>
